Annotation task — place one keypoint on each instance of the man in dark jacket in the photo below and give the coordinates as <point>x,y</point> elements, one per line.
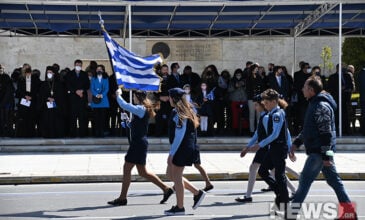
<point>362,98</point>
<point>347,87</point>
<point>6,102</point>
<point>77,84</point>
<point>319,138</point>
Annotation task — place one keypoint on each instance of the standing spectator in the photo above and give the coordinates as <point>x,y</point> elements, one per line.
<point>278,82</point>
<point>210,75</point>
<point>15,76</point>
<point>316,71</point>
<point>191,78</point>
<point>301,103</point>
<point>99,89</point>
<point>246,70</point>
<point>270,68</point>
<point>56,69</point>
<point>255,86</point>
<point>210,78</point>
<point>362,99</point>
<point>347,87</point>
<point>174,79</point>
<point>6,102</point>
<point>24,67</point>
<point>350,110</point>
<point>113,121</point>
<point>319,138</point>
<point>238,98</point>
<point>27,92</point>
<point>62,78</point>
<point>51,106</point>
<point>222,102</point>
<point>205,109</point>
<point>163,113</point>
<point>77,84</point>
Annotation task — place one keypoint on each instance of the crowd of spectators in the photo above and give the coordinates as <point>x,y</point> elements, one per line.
<point>82,103</point>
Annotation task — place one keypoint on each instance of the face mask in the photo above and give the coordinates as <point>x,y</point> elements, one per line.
<point>318,73</point>
<point>49,75</point>
<point>309,70</point>
<point>178,70</point>
<point>89,77</point>
<point>238,77</point>
<point>78,68</point>
<point>187,91</point>
<point>100,72</point>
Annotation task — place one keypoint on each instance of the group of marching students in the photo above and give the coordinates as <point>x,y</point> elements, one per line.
<point>271,142</point>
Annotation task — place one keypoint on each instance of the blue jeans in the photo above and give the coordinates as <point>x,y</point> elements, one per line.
<point>312,167</point>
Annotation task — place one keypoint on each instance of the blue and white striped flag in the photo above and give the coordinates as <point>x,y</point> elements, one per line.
<point>132,71</point>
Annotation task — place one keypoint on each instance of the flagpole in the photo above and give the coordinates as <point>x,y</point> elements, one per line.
<point>130,46</point>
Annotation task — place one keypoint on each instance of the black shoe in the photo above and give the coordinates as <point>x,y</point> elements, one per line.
<point>198,199</point>
<point>244,199</point>
<point>118,202</point>
<point>167,195</point>
<point>208,188</point>
<point>175,211</point>
<point>267,189</point>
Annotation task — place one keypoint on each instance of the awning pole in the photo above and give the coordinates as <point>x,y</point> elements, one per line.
<point>295,57</point>
<point>340,71</point>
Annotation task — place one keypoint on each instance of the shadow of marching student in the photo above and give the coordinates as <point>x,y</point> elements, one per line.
<point>34,214</point>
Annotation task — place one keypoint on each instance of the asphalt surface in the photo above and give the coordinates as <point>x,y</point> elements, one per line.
<point>88,201</point>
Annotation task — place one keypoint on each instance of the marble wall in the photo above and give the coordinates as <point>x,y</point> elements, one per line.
<point>225,53</point>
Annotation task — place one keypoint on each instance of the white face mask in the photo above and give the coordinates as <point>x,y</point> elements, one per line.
<point>49,75</point>
<point>1,71</point>
<point>309,70</point>
<point>78,68</point>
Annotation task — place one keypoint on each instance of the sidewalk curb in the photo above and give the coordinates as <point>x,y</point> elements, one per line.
<point>15,180</point>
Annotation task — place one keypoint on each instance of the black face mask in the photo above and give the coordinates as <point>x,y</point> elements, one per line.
<point>99,73</point>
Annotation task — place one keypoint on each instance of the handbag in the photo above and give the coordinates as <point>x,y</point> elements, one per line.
<point>96,100</point>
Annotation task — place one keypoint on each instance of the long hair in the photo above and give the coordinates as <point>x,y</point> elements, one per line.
<point>146,102</point>
<point>271,94</point>
<point>185,111</point>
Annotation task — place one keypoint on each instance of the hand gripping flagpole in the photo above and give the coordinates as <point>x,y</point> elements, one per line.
<point>101,21</point>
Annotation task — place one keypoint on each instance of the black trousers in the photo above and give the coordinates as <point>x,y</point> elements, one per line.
<point>275,159</point>
<point>99,121</point>
<point>78,112</point>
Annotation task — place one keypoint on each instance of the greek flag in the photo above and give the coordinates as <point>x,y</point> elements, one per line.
<point>132,71</point>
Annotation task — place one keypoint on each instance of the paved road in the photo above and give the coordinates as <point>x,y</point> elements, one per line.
<point>88,201</point>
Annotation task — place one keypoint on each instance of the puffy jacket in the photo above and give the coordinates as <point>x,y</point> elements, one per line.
<point>319,129</point>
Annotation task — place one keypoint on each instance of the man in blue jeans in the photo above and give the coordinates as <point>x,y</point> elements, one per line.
<point>319,138</point>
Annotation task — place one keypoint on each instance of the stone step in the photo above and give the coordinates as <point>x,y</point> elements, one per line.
<point>17,145</point>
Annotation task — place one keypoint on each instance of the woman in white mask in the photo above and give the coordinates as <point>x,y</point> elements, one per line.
<point>100,103</point>
<point>238,98</point>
